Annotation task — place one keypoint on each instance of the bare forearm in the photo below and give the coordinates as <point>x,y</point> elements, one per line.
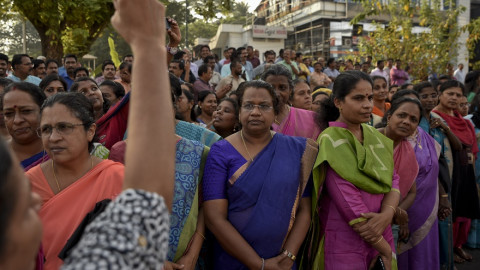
<point>410,198</point>
<point>294,69</point>
<point>390,200</point>
<point>197,238</point>
<point>153,98</point>
<point>187,76</point>
<point>300,227</point>
<point>454,141</point>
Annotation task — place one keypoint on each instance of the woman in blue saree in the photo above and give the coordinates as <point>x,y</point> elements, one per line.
<point>256,197</point>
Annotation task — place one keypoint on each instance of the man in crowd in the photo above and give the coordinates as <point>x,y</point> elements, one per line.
<point>308,62</point>
<point>280,56</point>
<point>349,65</point>
<point>303,71</point>
<point>459,74</point>
<point>202,83</point>
<point>321,60</point>
<point>365,68</point>
<point>216,77</point>
<point>251,57</point>
<point>289,64</point>
<point>22,66</point>
<point>380,71</point>
<point>128,59</point>
<point>269,60</point>
<point>108,72</point>
<point>397,75</point>
<point>39,69</point>
<point>81,72</point>
<point>241,55</point>
<point>3,65</point>
<point>52,66</point>
<point>227,56</point>
<point>204,53</point>
<point>331,71</point>
<point>191,66</point>
<point>70,66</point>
<point>318,78</point>
<point>388,68</point>
<point>176,68</point>
<point>231,82</point>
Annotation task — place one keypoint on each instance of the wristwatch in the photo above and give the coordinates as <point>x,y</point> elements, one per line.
<point>172,50</point>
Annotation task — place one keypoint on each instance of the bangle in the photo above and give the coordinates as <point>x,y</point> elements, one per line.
<point>444,195</point>
<point>289,255</point>
<point>380,239</point>
<point>394,211</point>
<point>201,235</point>
<point>263,264</point>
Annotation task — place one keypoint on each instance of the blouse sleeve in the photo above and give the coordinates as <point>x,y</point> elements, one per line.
<point>215,174</point>
<point>132,233</point>
<point>346,197</point>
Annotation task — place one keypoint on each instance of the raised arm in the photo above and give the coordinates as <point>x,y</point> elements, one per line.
<point>142,24</point>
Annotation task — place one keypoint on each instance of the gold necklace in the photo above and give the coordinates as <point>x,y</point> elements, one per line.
<point>55,176</point>
<point>245,145</point>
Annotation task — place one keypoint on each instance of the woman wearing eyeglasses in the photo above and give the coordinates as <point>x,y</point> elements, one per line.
<point>244,176</point>
<point>72,181</point>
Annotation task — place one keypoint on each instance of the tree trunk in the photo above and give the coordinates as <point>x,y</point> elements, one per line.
<point>52,47</point>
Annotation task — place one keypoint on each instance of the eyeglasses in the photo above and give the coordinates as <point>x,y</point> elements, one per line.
<point>62,129</point>
<point>262,107</point>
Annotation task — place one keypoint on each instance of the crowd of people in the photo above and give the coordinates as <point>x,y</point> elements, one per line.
<point>283,162</point>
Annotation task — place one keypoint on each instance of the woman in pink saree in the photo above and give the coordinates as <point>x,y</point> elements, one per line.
<point>290,121</point>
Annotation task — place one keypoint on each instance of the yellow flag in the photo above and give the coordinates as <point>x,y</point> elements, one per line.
<point>113,52</point>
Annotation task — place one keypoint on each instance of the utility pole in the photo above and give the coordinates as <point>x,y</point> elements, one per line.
<point>186,23</point>
<point>24,35</point>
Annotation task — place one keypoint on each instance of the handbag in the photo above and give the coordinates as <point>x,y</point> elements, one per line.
<point>379,265</point>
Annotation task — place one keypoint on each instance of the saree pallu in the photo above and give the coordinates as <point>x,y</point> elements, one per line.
<point>405,165</point>
<point>196,133</point>
<point>280,170</point>
<point>356,176</point>
<point>445,163</point>
<point>62,213</point>
<point>34,160</point>
<point>111,127</point>
<point>189,163</point>
<point>300,123</point>
<point>422,248</point>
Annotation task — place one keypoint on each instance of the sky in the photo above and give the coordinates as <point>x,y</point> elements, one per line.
<point>251,3</point>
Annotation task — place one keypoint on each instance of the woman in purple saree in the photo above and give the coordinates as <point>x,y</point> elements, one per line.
<point>421,250</point>
<point>256,195</point>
